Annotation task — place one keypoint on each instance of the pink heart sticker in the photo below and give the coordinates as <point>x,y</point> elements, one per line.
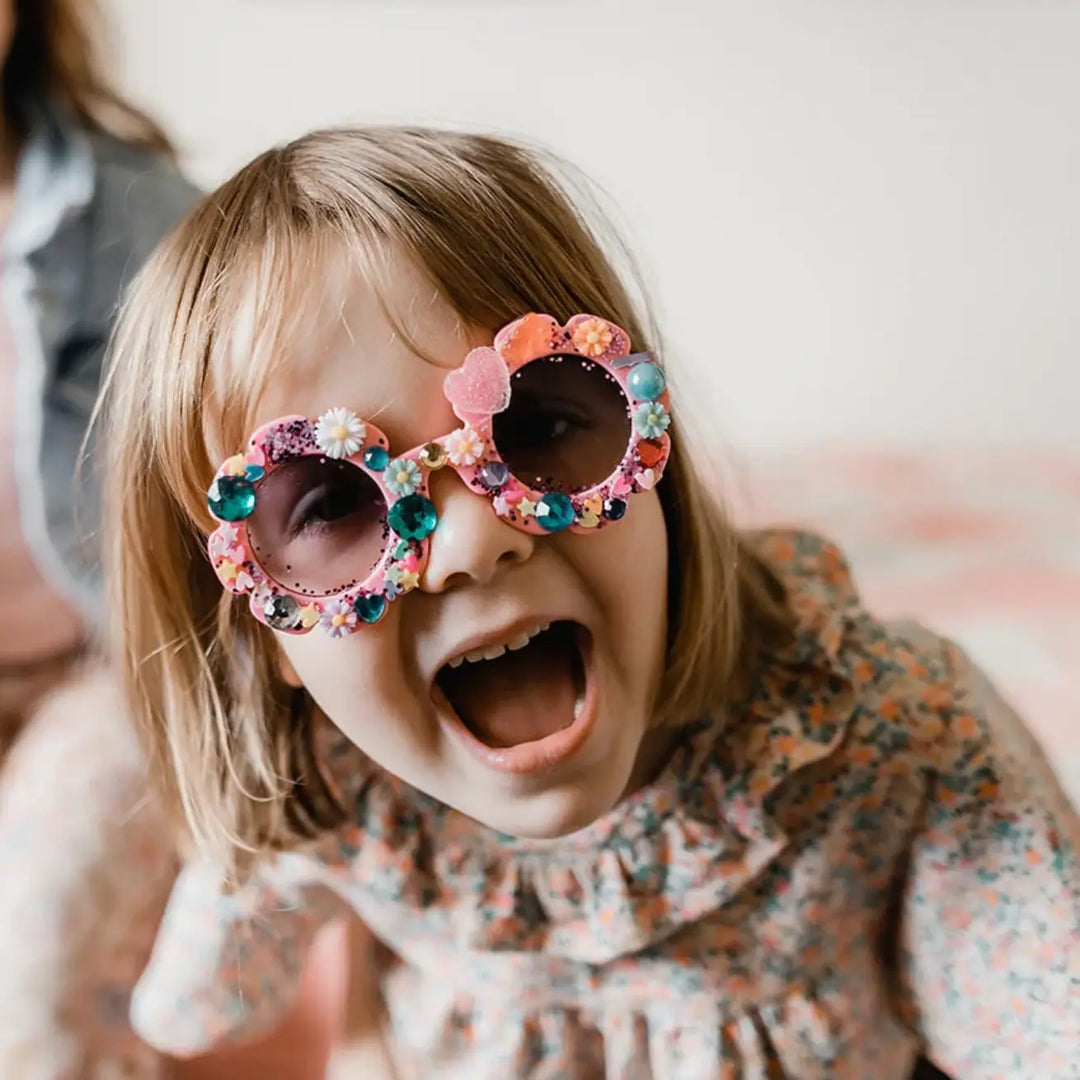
<point>480,387</point>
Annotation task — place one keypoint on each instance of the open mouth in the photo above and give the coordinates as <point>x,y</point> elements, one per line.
<point>525,691</point>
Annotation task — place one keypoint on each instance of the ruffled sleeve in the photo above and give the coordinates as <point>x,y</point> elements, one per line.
<point>226,965</point>
<point>991,917</point>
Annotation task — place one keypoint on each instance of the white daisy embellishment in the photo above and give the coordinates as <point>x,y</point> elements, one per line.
<point>464,447</point>
<point>338,618</point>
<point>339,433</point>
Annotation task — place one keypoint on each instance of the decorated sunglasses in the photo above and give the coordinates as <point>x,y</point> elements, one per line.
<point>321,524</point>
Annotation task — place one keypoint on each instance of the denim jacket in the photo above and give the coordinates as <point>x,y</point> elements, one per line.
<point>88,210</point>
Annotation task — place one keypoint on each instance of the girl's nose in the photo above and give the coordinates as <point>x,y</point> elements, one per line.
<point>471,542</point>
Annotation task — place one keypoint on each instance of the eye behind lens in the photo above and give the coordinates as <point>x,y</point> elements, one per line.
<point>319,525</point>
<point>567,427</point>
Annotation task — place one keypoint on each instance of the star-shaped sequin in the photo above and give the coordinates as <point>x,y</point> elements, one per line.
<point>408,581</point>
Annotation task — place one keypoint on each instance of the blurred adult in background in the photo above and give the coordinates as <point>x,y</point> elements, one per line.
<point>87,188</point>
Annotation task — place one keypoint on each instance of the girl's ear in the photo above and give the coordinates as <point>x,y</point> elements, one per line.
<point>287,671</point>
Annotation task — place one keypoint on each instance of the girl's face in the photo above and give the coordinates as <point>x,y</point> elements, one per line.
<point>544,737</point>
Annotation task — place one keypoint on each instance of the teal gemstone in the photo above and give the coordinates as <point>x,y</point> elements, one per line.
<point>376,458</point>
<point>370,608</point>
<point>231,498</point>
<point>254,472</point>
<point>403,549</point>
<point>646,382</point>
<point>413,518</point>
<point>554,512</point>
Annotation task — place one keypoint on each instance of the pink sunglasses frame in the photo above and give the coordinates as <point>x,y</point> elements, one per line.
<point>478,391</point>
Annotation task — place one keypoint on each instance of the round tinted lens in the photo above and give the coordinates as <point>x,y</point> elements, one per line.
<point>567,426</point>
<point>319,525</point>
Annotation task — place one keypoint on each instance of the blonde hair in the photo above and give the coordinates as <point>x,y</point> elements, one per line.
<point>497,235</point>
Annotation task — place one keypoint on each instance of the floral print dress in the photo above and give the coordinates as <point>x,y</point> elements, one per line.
<point>864,861</point>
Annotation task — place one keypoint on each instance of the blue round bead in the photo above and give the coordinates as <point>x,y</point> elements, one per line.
<point>376,458</point>
<point>554,512</point>
<point>614,508</point>
<point>494,474</point>
<point>646,382</point>
<point>231,498</point>
<point>370,608</point>
<point>413,518</point>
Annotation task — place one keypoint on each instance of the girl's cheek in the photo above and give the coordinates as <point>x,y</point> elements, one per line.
<point>627,564</point>
<point>338,671</point>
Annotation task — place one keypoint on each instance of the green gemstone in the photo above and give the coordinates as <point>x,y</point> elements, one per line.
<point>554,512</point>
<point>370,608</point>
<point>376,458</point>
<point>403,549</point>
<point>231,498</point>
<point>413,518</point>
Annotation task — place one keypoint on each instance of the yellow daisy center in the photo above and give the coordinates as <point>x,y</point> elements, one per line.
<point>339,433</point>
<point>339,619</point>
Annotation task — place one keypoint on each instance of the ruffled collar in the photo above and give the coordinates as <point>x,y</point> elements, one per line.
<point>677,849</point>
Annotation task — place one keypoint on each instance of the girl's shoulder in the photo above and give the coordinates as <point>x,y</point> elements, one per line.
<point>836,634</point>
<point>85,193</point>
<point>139,196</point>
<point>856,693</point>
<point>140,186</point>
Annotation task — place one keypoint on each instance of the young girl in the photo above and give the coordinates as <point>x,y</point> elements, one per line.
<point>417,631</point>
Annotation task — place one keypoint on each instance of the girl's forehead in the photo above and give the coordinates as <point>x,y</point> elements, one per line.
<point>383,353</point>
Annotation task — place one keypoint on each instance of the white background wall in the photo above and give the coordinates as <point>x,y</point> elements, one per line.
<point>860,217</point>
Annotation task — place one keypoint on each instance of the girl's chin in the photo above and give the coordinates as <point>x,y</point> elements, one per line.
<point>552,805</point>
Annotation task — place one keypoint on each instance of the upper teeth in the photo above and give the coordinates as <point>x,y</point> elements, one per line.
<point>490,652</point>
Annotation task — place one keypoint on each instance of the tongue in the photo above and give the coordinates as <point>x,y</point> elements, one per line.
<point>520,696</point>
